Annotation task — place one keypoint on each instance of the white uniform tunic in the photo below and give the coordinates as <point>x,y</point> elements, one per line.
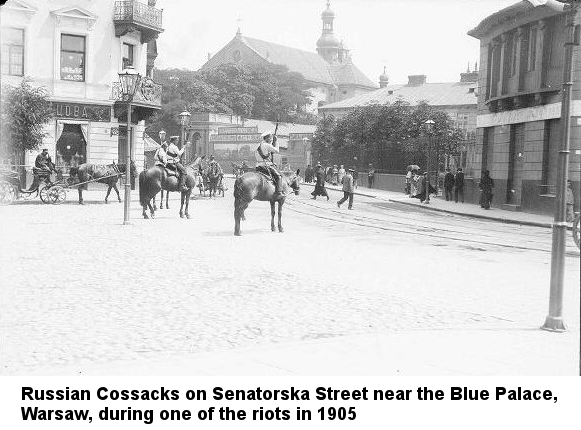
<point>266,149</point>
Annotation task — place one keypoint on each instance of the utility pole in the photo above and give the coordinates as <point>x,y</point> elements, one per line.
<point>554,321</point>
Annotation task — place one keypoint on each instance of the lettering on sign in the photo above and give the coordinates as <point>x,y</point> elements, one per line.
<point>82,111</point>
<point>235,138</point>
<point>237,130</point>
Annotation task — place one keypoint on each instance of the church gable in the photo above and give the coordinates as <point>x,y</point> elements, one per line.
<point>236,51</point>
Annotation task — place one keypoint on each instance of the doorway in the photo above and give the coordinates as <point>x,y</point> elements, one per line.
<point>71,146</point>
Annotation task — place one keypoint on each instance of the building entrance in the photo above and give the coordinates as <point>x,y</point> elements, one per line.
<point>71,146</point>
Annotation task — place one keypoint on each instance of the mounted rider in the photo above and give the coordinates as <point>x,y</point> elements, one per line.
<point>265,160</point>
<point>173,158</point>
<point>214,165</point>
<point>160,156</point>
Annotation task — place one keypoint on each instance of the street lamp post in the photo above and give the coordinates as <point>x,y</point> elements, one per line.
<point>305,158</point>
<point>554,321</point>
<point>184,120</point>
<point>428,127</point>
<point>129,79</point>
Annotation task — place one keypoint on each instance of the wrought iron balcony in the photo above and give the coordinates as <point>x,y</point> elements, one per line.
<point>132,15</point>
<point>148,94</point>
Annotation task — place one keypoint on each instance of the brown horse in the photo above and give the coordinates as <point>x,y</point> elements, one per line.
<point>108,174</point>
<point>256,186</point>
<point>156,178</point>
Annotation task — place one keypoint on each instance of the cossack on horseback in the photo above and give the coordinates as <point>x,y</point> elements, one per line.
<point>265,159</point>
<point>173,159</point>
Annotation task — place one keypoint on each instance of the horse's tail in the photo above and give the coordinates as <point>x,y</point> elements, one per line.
<point>142,189</point>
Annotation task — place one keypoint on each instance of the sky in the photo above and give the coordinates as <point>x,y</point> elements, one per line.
<point>406,36</point>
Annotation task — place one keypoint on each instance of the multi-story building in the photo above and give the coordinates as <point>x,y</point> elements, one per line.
<point>76,52</point>
<point>519,128</point>
<point>330,71</point>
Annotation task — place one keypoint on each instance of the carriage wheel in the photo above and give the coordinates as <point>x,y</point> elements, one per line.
<point>7,193</point>
<point>576,230</point>
<point>43,193</point>
<point>57,195</point>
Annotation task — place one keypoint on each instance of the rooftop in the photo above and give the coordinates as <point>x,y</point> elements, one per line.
<point>435,94</point>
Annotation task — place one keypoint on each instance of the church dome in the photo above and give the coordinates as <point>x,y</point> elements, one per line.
<point>383,77</point>
<point>328,40</point>
<point>328,13</point>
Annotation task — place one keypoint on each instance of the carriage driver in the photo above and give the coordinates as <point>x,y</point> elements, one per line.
<point>43,167</point>
<point>264,158</point>
<point>173,157</point>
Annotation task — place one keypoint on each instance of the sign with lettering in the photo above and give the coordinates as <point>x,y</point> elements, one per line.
<point>235,137</point>
<point>237,130</point>
<point>100,113</point>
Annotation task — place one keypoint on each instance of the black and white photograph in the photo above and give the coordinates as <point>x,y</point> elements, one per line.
<point>290,188</point>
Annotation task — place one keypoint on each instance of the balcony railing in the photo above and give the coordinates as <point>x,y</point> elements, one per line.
<point>137,12</point>
<point>148,93</point>
<point>133,15</point>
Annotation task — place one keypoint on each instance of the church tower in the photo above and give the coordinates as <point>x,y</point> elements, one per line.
<point>328,46</point>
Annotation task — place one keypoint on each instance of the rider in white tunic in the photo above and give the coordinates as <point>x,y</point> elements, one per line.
<point>264,158</point>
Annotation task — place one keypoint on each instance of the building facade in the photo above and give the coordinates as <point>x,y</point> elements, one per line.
<point>330,71</point>
<point>76,53</point>
<point>519,128</point>
<point>233,139</point>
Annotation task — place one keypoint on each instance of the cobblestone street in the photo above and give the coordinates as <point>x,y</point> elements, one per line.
<point>78,289</point>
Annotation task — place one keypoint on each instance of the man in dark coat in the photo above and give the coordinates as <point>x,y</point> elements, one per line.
<point>448,184</point>
<point>459,185</point>
<point>370,176</point>
<point>320,189</point>
<point>43,167</point>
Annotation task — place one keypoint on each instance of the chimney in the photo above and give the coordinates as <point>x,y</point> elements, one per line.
<point>416,79</point>
<point>470,76</point>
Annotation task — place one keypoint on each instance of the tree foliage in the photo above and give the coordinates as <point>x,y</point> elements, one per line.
<point>390,136</point>
<point>25,111</point>
<point>265,91</point>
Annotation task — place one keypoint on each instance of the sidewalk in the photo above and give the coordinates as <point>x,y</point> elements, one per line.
<point>438,204</point>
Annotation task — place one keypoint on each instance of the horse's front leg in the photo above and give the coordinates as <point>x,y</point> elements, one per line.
<point>161,200</point>
<point>108,192</point>
<point>117,191</point>
<point>80,190</point>
<point>151,209</point>
<point>182,204</point>
<point>280,203</point>
<point>187,198</point>
<point>272,212</point>
<point>167,199</point>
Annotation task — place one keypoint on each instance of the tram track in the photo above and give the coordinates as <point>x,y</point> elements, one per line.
<point>427,228</point>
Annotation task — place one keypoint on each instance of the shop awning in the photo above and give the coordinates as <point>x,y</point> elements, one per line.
<point>149,144</point>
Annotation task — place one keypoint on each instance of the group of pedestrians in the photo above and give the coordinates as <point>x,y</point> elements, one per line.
<point>347,181</point>
<point>454,184</point>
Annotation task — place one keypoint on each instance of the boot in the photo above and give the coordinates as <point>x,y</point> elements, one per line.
<point>182,184</point>
<point>278,187</point>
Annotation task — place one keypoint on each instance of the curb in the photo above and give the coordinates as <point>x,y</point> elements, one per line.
<point>487,217</point>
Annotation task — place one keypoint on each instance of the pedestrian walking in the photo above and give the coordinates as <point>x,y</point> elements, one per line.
<point>341,174</point>
<point>486,185</point>
<point>459,185</point>
<point>408,181</point>
<point>370,176</point>
<point>348,189</point>
<point>309,174</point>
<point>448,185</point>
<point>335,175</point>
<point>320,189</point>
<point>570,202</point>
<point>415,185</point>
<point>424,185</point>
<point>355,178</point>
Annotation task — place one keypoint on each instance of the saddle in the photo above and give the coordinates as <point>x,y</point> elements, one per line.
<point>170,170</point>
<point>264,171</point>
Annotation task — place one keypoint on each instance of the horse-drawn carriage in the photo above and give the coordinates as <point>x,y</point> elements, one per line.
<point>49,191</point>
